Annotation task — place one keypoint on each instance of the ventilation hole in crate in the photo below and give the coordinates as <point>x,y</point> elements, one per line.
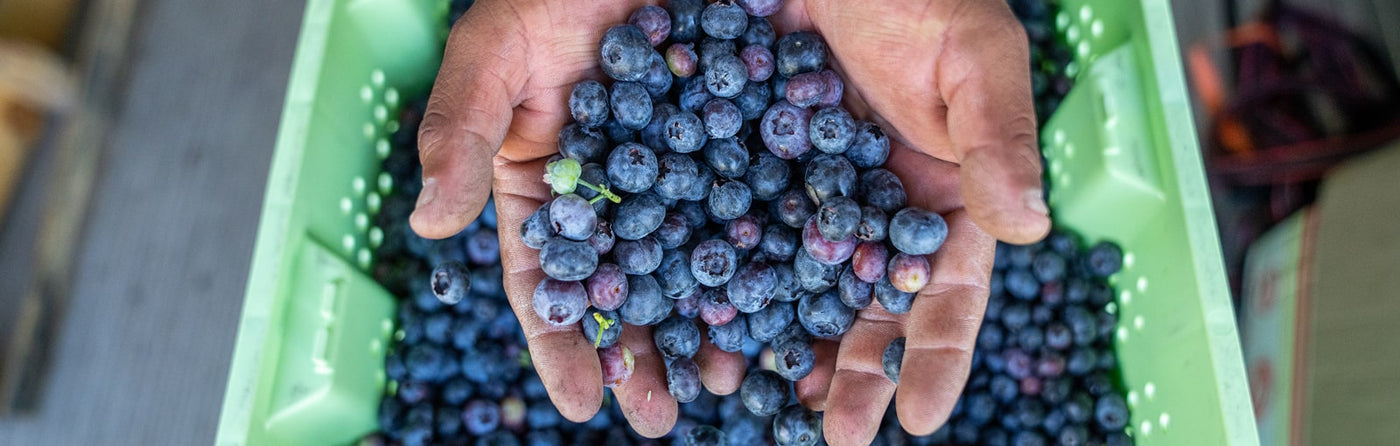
<point>361,221</point>
<point>1061,20</point>
<point>1072,69</point>
<point>386,183</point>
<point>366,94</point>
<point>1096,29</point>
<point>1142,284</point>
<point>376,346</point>
<point>346,205</point>
<point>1164,420</point>
<point>1056,166</point>
<point>373,202</point>
<point>381,113</point>
<point>364,257</point>
<point>1064,181</point>
<point>1132,399</point>
<point>391,94</point>
<point>393,387</point>
<point>376,237</point>
<point>1145,427</point>
<point>1083,48</point>
<point>386,325</point>
<point>1059,137</point>
<point>1150,390</point>
<point>398,336</point>
<point>1069,150</point>
<point>369,130</point>
<point>348,242</point>
<point>1072,34</point>
<point>1138,322</point>
<point>1085,13</point>
<point>376,78</point>
<point>1128,259</point>
<point>381,148</point>
<point>1111,308</point>
<point>1126,297</point>
<point>1122,334</point>
<point>357,184</point>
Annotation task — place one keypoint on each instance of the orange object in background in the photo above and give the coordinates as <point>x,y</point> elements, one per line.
<point>43,22</point>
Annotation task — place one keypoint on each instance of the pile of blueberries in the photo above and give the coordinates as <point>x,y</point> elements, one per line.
<point>668,209</point>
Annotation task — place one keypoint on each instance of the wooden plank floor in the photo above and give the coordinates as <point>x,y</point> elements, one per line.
<point>145,347</point>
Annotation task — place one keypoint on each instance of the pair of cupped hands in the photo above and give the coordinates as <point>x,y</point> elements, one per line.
<point>948,80</point>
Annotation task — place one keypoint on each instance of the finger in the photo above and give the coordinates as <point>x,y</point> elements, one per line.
<point>567,363</point>
<point>942,327</point>
<point>985,80</point>
<point>644,399</point>
<point>812,391</point>
<point>860,391</point>
<point>721,372</point>
<point>466,120</point>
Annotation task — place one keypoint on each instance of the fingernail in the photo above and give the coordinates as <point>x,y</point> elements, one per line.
<point>1035,202</point>
<point>428,193</point>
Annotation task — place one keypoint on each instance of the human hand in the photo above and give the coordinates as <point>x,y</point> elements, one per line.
<point>502,97</point>
<point>949,81</point>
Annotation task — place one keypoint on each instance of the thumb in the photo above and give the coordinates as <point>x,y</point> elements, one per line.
<point>985,78</point>
<point>466,121</point>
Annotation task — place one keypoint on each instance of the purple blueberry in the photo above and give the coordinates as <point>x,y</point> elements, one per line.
<point>560,303</point>
<point>722,118</point>
<point>793,208</point>
<point>759,61</point>
<point>713,262</point>
<point>607,287</point>
<point>806,89</point>
<point>829,176</point>
<point>682,60</point>
<point>826,251</point>
<point>637,257</point>
<point>683,379</point>
<point>724,20</point>
<point>854,292</point>
<point>654,22</point>
<point>568,260</point>
<point>752,287</point>
<point>572,217</point>
<point>784,130</point>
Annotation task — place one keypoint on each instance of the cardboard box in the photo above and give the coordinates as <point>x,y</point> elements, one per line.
<point>1321,314</point>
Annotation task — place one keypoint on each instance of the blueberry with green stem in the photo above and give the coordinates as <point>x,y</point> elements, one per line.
<point>562,176</point>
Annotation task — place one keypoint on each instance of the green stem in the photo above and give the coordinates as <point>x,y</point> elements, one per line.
<point>602,190</point>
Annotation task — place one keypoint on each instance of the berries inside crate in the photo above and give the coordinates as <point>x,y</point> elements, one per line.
<point>1122,161</point>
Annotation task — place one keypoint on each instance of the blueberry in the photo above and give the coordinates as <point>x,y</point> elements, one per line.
<point>705,436</point>
<point>835,89</point>
<point>657,81</point>
<point>674,276</point>
<point>1099,384</point>
<point>893,358</point>
<point>793,208</point>
<point>617,365</point>
<point>794,358</point>
<point>752,287</point>
<point>729,199</point>
<point>800,52</point>
<point>746,429</point>
<point>677,337</point>
<point>685,19</point>
<point>826,251</point>
<point>594,331</point>
<point>759,62</point>
<point>764,392</point>
<point>744,233</point>
<point>645,305</point>
<point>588,103</point>
<point>873,225</point>
<point>681,59</point>
<point>683,378</point>
<point>447,422</point>
<point>765,324</point>
<point>1111,412</point>
<point>568,260</point>
<point>870,147</point>
<point>674,231</point>
<point>837,218</point>
<point>829,176</point>
<point>831,130</point>
<point>572,217</point>
<point>597,175</point>
<point>688,305</point>
<point>727,156</point>
<point>753,101</point>
<point>684,132</point>
<point>1048,266</point>
<point>423,362</point>
<point>722,118</point>
<point>882,189</point>
<point>778,243</point>
<point>814,276</point>
<point>536,230</point>
<point>1058,336</point>
<point>725,76</point>
<point>1081,323</point>
<point>694,94</point>
<point>767,176</point>
<point>1074,435</point>
<point>632,167</point>
<point>784,130</point>
<point>450,282</point>
<point>603,238</point>
<point>677,175</point>
<point>644,213</point>
<point>869,261</point>
<point>1104,259</point>
<point>724,20</point>
<point>761,8</point>
<point>795,425</point>
<point>824,315</point>
<point>483,248</point>
<point>713,262</point>
<point>805,89</point>
<point>916,231</point>
<point>481,417</point>
<point>908,273</point>
<point>892,299</point>
<point>854,292</point>
<point>654,21</point>
<point>542,436</point>
<point>625,53</point>
<point>560,302</point>
<point>1056,390</point>
<point>631,103</point>
<point>760,30</point>
<point>637,257</point>
<point>438,327</point>
<point>729,337</point>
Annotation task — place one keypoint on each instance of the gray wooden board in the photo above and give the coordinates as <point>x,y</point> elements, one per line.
<point>144,348</point>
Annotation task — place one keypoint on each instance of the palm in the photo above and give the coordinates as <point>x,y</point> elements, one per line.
<point>508,72</point>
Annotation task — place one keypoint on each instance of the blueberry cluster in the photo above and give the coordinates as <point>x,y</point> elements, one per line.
<point>722,181</point>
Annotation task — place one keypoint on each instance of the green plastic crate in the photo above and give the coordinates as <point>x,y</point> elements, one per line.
<point>1123,161</point>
